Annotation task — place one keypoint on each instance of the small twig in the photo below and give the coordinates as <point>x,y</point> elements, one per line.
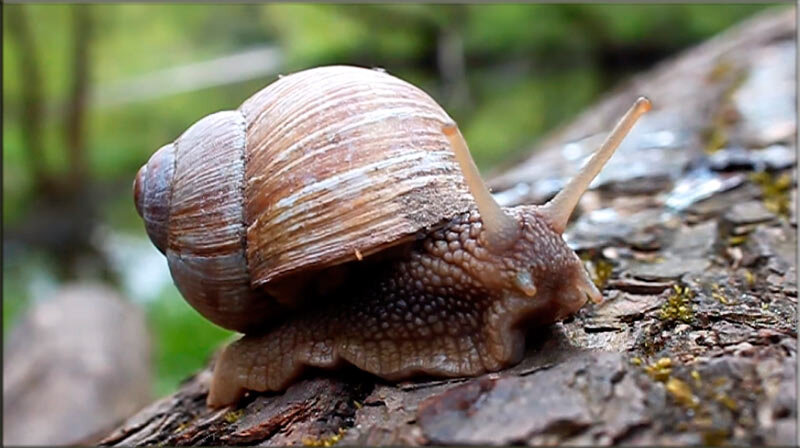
<point>427,384</point>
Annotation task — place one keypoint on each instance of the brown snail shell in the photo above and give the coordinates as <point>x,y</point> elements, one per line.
<point>319,168</point>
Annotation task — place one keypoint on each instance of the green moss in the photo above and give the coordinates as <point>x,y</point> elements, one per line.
<point>716,437</point>
<point>599,268</point>
<point>727,401</point>
<point>717,135</point>
<point>181,427</point>
<point>719,295</point>
<point>660,370</point>
<point>233,416</point>
<point>749,277</point>
<point>775,191</point>
<point>696,377</point>
<point>736,240</point>
<point>701,400</point>
<point>682,393</point>
<point>183,340</point>
<point>678,306</point>
<point>326,441</point>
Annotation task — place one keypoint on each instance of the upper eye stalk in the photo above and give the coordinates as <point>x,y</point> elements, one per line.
<point>502,230</point>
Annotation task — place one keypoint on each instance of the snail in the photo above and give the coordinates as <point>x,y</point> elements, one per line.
<point>336,217</point>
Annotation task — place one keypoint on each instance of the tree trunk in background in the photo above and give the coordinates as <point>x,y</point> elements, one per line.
<point>32,106</point>
<point>75,117</point>
<point>59,193</point>
<point>692,234</point>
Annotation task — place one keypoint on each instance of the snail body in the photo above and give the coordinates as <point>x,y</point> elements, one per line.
<point>313,169</point>
<point>337,217</point>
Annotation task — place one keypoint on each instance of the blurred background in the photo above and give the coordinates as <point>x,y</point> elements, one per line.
<point>90,91</point>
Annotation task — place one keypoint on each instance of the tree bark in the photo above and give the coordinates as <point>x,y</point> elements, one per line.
<point>691,232</point>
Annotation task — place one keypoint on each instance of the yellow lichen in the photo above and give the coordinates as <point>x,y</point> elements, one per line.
<point>660,370</point>
<point>717,135</point>
<point>719,381</point>
<point>775,190</point>
<point>602,272</point>
<point>636,361</point>
<point>233,416</point>
<point>727,401</point>
<point>715,437</point>
<point>677,306</point>
<point>736,240</point>
<point>682,393</point>
<point>749,277</point>
<point>696,376</point>
<point>599,269</point>
<point>716,293</point>
<point>703,420</point>
<point>326,441</point>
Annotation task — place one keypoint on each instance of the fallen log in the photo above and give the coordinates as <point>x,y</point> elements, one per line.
<point>691,231</point>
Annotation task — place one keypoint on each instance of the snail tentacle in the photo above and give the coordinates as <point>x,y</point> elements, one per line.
<point>559,209</point>
<point>501,229</point>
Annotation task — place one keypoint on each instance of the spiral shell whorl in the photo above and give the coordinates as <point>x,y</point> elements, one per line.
<point>205,242</point>
<point>343,160</point>
<point>151,193</point>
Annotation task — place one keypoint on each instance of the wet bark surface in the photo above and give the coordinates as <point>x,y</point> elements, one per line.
<point>691,231</point>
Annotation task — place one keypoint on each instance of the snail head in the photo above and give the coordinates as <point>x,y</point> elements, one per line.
<point>535,260</point>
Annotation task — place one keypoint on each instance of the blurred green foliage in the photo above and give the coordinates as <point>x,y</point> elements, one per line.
<point>183,341</point>
<point>508,73</point>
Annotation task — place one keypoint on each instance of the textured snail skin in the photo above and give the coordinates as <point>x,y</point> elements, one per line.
<point>451,307</point>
